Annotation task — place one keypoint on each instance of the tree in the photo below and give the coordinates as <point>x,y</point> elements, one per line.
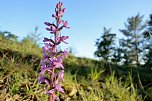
<point>117,56</point>
<point>148,44</point>
<point>8,35</point>
<point>105,45</point>
<point>133,38</point>
<point>148,32</point>
<point>124,50</point>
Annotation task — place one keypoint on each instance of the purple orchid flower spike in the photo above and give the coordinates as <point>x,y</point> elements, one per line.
<point>65,24</point>
<point>52,58</point>
<point>61,75</point>
<point>62,39</point>
<point>57,87</point>
<point>43,79</point>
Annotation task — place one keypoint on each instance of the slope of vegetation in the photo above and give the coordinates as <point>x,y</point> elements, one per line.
<point>85,79</point>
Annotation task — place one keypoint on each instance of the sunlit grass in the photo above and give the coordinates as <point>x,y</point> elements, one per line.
<point>85,79</point>
<point>26,48</point>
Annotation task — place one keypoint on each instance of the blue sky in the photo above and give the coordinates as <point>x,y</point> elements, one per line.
<point>86,18</point>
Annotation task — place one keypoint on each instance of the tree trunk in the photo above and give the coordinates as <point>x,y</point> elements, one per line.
<point>136,48</point>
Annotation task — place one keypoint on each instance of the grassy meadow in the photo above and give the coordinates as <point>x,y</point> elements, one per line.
<point>85,79</point>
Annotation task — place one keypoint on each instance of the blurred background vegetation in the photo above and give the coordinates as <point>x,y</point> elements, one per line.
<point>122,73</point>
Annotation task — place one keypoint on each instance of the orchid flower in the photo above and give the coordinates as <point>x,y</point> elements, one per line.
<point>52,58</point>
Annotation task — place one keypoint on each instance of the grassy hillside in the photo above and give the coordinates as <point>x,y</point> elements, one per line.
<point>85,79</point>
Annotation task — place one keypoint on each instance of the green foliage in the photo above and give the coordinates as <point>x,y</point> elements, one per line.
<point>95,74</point>
<point>148,59</point>
<point>131,44</point>
<point>121,91</point>
<point>105,44</point>
<point>8,35</point>
<point>148,44</point>
<point>84,78</point>
<point>117,57</point>
<point>24,48</point>
<point>148,32</point>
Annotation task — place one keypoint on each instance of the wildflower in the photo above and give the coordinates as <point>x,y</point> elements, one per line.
<point>47,23</point>
<point>62,39</point>
<point>61,75</point>
<point>52,58</point>
<point>43,79</point>
<point>65,24</point>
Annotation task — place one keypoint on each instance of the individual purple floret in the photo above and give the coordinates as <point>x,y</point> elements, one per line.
<point>51,69</point>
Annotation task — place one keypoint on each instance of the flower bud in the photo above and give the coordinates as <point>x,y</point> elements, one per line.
<point>63,10</point>
<point>53,15</point>
<point>47,23</point>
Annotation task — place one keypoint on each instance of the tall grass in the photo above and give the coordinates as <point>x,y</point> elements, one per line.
<point>25,48</point>
<point>85,80</point>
